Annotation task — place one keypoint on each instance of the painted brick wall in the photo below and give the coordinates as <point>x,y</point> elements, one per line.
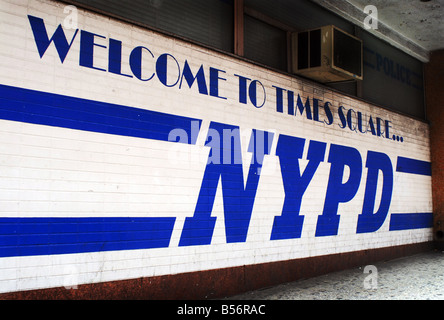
<point>93,189</point>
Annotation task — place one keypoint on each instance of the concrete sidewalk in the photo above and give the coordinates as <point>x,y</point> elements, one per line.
<point>417,277</point>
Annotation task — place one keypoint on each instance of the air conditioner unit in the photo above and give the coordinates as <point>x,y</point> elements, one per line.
<point>327,54</point>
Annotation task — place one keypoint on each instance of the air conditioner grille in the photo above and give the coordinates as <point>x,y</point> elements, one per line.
<point>303,50</point>
<point>315,48</point>
<point>347,53</point>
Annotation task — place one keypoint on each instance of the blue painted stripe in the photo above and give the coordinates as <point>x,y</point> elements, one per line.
<point>405,221</point>
<point>43,236</point>
<point>43,108</point>
<point>408,165</point>
<point>49,236</point>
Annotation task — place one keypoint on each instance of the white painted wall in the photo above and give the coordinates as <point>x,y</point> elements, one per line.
<point>48,171</point>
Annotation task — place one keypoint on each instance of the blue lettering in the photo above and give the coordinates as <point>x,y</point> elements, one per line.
<point>379,130</point>
<point>225,157</point>
<point>252,92</point>
<point>135,61</point>
<point>341,114</point>
<point>360,127</point>
<point>58,38</point>
<point>307,108</point>
<point>368,221</point>
<point>289,150</point>
<point>379,61</point>
<point>316,110</point>
<point>290,102</point>
<point>224,165</point>
<point>328,113</point>
<point>214,82</point>
<point>337,192</point>
<point>115,58</point>
<point>408,80</point>
<point>387,128</point>
<point>386,66</point>
<point>350,120</point>
<point>87,49</point>
<point>238,200</point>
<point>242,88</point>
<point>401,74</point>
<point>162,68</point>
<point>279,99</point>
<point>371,126</point>
<point>199,77</point>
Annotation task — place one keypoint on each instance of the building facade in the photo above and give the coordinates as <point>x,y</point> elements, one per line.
<point>137,162</point>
